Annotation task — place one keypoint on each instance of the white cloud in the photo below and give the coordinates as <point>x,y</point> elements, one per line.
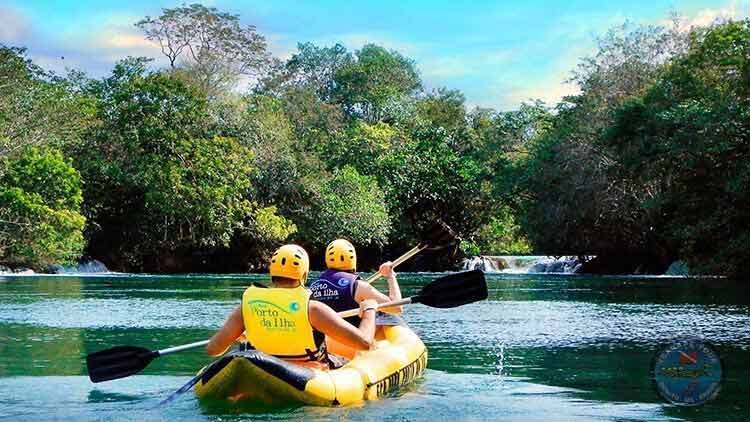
<point>123,41</point>
<point>708,16</point>
<point>551,91</point>
<point>14,25</point>
<point>93,48</point>
<point>478,63</point>
<point>117,37</point>
<point>280,46</point>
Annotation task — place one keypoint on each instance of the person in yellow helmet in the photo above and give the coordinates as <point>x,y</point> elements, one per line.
<point>282,320</point>
<point>340,286</point>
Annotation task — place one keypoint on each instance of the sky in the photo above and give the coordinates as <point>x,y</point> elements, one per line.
<point>498,54</point>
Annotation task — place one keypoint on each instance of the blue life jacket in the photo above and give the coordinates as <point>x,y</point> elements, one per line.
<point>336,289</point>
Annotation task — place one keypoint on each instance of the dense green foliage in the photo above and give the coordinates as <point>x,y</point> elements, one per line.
<point>40,202</point>
<point>40,192</point>
<point>37,108</point>
<point>687,140</point>
<point>647,163</point>
<point>347,204</point>
<point>651,159</point>
<point>161,177</point>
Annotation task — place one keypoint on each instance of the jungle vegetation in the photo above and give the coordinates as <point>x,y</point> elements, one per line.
<point>184,168</point>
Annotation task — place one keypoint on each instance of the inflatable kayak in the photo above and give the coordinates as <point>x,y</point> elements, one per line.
<point>398,358</point>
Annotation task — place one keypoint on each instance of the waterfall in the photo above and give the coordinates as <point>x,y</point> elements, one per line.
<point>564,264</point>
<point>17,271</point>
<point>85,267</point>
<point>522,264</point>
<point>488,264</point>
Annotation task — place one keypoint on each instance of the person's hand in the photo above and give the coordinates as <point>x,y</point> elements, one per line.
<point>367,304</point>
<point>386,269</point>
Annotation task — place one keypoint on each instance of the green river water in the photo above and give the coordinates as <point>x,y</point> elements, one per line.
<point>542,347</point>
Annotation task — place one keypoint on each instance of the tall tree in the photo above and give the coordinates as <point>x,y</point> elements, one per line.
<point>160,181</point>
<point>209,48</point>
<point>311,67</point>
<point>571,180</point>
<point>366,86</point>
<point>685,146</point>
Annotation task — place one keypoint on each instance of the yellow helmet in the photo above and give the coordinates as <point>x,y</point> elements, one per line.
<point>340,255</point>
<point>290,261</point>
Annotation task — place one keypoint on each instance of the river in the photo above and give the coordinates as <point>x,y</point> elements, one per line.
<point>542,347</point>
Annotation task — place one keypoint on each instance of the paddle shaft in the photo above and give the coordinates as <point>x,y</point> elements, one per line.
<point>413,251</point>
<point>355,312</point>
<point>170,350</point>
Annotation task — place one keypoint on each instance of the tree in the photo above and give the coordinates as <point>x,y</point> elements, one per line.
<point>160,181</point>
<point>573,182</point>
<point>37,108</point>
<point>686,143</point>
<point>347,204</point>
<point>260,123</point>
<point>445,108</point>
<point>206,47</point>
<point>377,77</point>
<point>40,203</point>
<point>311,67</point>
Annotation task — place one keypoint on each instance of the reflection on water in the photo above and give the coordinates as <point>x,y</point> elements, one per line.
<point>541,347</point>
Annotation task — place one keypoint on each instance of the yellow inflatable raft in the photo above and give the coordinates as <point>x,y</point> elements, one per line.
<point>398,358</point>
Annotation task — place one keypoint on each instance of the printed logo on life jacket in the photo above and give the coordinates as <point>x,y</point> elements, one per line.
<point>272,316</point>
<point>320,290</point>
<point>343,282</point>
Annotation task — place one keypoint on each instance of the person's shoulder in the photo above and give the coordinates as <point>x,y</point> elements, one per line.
<point>319,312</point>
<point>315,306</point>
<point>319,307</point>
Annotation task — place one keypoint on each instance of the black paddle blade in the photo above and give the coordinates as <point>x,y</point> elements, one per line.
<point>118,362</point>
<point>454,290</point>
<point>438,234</point>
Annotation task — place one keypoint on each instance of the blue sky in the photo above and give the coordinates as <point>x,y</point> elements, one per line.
<point>497,53</point>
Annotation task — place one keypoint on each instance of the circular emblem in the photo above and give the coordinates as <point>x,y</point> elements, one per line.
<point>687,372</point>
<point>294,306</point>
<point>343,282</point>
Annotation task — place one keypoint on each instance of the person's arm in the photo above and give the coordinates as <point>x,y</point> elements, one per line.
<point>327,321</point>
<point>229,332</point>
<point>366,291</point>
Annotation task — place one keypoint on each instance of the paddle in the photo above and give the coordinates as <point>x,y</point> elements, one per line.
<point>437,234</point>
<point>445,292</point>
<point>124,361</point>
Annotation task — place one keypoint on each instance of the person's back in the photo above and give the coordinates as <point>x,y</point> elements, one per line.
<point>277,322</point>
<point>341,288</point>
<point>337,289</point>
<point>282,321</point>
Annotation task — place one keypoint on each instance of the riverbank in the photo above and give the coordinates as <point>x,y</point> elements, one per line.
<point>519,264</point>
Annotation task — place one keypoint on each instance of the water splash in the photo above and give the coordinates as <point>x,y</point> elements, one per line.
<point>499,351</point>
